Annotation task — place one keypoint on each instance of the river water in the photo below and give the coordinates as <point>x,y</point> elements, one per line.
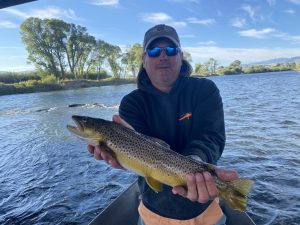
<point>48,177</point>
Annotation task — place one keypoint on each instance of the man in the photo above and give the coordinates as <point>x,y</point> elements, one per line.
<point>185,112</point>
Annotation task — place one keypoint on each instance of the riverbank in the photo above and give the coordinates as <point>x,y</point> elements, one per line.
<point>37,86</point>
<point>33,86</point>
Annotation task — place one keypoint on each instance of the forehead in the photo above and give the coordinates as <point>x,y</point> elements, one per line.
<point>161,41</point>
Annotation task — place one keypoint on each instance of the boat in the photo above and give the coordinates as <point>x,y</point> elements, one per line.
<point>123,211</point>
<point>8,3</point>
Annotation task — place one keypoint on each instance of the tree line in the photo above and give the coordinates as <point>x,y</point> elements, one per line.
<point>211,67</point>
<point>67,50</point>
<point>63,49</point>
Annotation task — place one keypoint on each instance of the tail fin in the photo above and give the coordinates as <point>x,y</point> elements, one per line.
<point>235,192</point>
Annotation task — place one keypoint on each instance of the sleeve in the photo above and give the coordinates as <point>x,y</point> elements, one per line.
<point>207,137</point>
<point>130,110</point>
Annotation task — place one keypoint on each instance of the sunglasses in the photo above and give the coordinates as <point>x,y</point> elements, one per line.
<point>170,51</point>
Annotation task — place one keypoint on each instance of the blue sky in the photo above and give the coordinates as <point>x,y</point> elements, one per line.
<point>248,30</point>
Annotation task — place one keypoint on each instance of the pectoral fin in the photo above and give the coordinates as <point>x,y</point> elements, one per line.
<point>107,149</point>
<point>154,184</point>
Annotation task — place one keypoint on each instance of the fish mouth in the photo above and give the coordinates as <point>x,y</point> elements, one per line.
<point>79,128</point>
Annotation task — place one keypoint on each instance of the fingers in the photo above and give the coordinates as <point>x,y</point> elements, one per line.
<point>91,149</point>
<point>226,175</point>
<point>201,187</point>
<point>179,190</point>
<point>119,120</point>
<point>100,154</point>
<point>211,187</point>
<point>192,193</point>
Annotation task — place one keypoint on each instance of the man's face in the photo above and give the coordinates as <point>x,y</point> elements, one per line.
<point>163,70</point>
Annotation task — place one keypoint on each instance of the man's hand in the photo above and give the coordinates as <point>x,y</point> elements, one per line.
<point>101,154</point>
<point>201,187</point>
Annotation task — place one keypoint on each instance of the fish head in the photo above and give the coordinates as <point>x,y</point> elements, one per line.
<point>92,130</point>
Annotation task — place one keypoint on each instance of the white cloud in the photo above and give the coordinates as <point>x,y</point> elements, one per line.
<point>178,24</point>
<point>105,2</point>
<point>238,22</point>
<point>250,10</point>
<point>48,12</point>
<point>7,24</point>
<point>159,17</point>
<point>290,11</point>
<point>15,12</point>
<point>257,33</point>
<point>295,1</point>
<point>206,43</point>
<point>246,55</point>
<point>295,39</point>
<point>271,33</point>
<point>203,22</point>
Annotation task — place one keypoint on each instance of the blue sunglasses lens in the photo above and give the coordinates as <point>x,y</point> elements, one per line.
<point>155,52</point>
<point>171,51</point>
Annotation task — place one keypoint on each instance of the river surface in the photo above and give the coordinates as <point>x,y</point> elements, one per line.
<point>48,177</point>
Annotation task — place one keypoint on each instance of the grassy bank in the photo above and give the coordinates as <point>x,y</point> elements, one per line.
<point>32,86</point>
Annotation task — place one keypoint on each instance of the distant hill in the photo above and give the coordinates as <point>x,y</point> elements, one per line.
<point>277,60</point>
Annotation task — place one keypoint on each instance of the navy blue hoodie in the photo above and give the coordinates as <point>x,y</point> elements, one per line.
<point>158,114</point>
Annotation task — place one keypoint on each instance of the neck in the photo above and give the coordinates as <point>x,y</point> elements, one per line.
<point>165,89</point>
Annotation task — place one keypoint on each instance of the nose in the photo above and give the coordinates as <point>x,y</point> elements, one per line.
<point>163,54</point>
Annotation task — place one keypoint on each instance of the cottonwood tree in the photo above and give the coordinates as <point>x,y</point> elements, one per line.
<point>43,43</point>
<point>78,46</point>
<point>132,58</point>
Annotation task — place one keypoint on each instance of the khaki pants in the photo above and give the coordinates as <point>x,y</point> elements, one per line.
<point>211,216</point>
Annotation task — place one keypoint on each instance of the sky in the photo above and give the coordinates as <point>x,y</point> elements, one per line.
<point>226,30</point>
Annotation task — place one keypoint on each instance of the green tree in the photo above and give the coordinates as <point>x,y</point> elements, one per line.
<point>77,47</point>
<point>113,55</point>
<point>201,69</point>
<point>298,66</point>
<point>43,40</point>
<point>100,55</point>
<point>197,68</point>
<point>86,58</point>
<point>212,66</point>
<point>234,68</point>
<point>132,58</point>
<point>58,32</point>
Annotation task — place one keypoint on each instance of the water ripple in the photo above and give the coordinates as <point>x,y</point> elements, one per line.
<point>48,177</point>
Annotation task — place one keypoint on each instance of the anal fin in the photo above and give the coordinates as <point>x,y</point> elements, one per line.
<point>154,184</point>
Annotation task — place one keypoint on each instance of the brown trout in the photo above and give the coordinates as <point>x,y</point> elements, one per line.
<point>153,159</point>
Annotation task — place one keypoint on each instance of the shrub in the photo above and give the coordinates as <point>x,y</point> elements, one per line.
<point>50,79</point>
